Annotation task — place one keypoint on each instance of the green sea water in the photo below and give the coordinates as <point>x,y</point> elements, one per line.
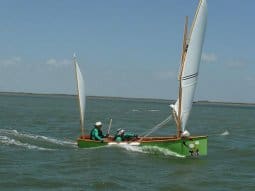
<point>38,148</point>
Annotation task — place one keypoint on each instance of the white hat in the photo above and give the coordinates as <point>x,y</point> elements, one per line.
<point>98,124</point>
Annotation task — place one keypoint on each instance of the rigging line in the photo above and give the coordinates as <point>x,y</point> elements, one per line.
<point>161,124</point>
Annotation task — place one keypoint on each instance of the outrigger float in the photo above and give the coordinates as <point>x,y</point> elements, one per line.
<point>181,143</point>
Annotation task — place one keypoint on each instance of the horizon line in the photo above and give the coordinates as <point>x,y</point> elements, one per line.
<point>120,97</point>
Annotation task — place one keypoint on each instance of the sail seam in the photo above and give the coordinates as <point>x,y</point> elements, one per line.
<point>190,76</point>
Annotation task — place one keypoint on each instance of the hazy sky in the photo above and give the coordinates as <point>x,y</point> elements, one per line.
<point>125,48</point>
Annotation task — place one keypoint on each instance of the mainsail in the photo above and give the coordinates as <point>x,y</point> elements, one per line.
<point>80,92</point>
<point>190,66</point>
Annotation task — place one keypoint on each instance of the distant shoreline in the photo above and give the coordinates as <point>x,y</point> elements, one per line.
<point>201,102</point>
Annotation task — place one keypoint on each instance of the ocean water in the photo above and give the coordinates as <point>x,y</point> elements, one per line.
<point>38,146</point>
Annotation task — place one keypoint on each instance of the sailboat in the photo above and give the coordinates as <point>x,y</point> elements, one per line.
<point>182,143</point>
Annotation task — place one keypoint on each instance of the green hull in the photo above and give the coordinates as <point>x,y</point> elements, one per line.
<point>192,146</point>
<point>85,143</point>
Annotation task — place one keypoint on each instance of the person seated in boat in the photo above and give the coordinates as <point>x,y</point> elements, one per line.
<point>97,133</point>
<point>121,135</point>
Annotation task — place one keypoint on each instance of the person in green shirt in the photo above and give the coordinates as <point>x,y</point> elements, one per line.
<point>121,135</point>
<point>97,133</point>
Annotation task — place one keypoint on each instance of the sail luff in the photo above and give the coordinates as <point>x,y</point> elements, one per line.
<point>184,50</point>
<point>190,65</point>
<point>80,93</point>
<point>196,15</point>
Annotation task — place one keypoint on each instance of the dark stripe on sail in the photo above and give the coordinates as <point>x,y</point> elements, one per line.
<point>190,76</point>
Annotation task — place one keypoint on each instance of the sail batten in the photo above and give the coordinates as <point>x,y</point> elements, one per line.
<point>80,94</point>
<point>190,66</point>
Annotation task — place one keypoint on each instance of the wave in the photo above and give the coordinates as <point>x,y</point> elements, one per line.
<point>8,141</point>
<point>150,110</point>
<point>159,150</point>
<point>127,146</point>
<point>225,133</point>
<point>148,150</point>
<point>31,141</point>
<point>32,136</point>
<point>153,110</point>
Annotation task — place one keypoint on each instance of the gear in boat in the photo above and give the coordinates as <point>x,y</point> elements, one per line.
<point>96,134</point>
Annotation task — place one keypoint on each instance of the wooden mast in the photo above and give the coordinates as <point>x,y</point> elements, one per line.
<point>183,56</point>
<point>78,96</point>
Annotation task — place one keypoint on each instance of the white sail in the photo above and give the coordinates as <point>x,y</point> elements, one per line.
<point>80,92</point>
<point>190,70</point>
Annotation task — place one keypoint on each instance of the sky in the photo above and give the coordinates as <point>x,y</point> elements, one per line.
<point>125,48</point>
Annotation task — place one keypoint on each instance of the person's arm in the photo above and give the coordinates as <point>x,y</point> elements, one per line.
<point>130,135</point>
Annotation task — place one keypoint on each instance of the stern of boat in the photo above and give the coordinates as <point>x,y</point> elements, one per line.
<point>194,146</point>
<point>189,146</point>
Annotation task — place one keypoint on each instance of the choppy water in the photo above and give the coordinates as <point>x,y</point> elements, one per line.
<point>38,149</point>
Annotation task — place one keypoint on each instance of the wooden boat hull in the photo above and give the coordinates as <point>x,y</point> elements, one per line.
<point>191,146</point>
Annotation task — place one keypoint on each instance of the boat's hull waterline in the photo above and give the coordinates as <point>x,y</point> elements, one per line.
<point>188,146</point>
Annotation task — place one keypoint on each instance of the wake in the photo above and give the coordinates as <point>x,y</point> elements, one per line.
<point>31,141</point>
<point>158,150</point>
<point>148,150</point>
<point>43,143</point>
<point>9,141</point>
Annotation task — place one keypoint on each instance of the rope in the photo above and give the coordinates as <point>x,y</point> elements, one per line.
<point>161,124</point>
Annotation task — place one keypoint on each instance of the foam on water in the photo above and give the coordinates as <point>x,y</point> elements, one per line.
<point>225,133</point>
<point>147,149</point>
<point>153,110</point>
<point>8,141</point>
<point>13,136</point>
<point>150,110</point>
<point>127,146</point>
<point>159,150</point>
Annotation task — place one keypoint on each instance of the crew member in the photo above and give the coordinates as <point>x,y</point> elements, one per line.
<point>97,133</point>
<point>121,135</point>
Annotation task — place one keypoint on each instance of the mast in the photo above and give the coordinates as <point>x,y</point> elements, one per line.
<point>183,56</point>
<point>77,70</point>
